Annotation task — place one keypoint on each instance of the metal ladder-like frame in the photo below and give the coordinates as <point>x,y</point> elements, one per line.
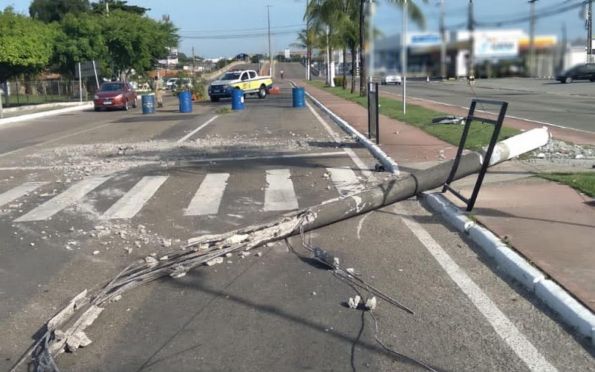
<point>488,155</point>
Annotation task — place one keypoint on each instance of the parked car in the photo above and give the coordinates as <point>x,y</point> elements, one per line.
<point>578,72</point>
<point>170,83</point>
<point>390,78</point>
<point>115,95</point>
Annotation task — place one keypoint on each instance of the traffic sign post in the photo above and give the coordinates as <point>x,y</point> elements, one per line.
<point>373,117</point>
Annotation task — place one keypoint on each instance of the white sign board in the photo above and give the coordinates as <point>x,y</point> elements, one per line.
<point>287,54</point>
<point>496,45</point>
<point>417,39</point>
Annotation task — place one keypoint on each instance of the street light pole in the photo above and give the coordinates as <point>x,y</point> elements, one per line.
<point>531,63</point>
<point>471,59</point>
<point>308,46</point>
<point>443,46</point>
<point>270,51</point>
<point>404,56</point>
<point>590,31</point>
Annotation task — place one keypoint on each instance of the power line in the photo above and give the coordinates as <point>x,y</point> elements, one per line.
<point>245,29</point>
<point>544,13</point>
<point>237,36</point>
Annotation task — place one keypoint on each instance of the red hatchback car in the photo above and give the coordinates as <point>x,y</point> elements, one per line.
<point>115,94</point>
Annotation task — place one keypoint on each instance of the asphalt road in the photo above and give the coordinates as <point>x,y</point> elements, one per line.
<point>105,189</point>
<point>566,105</point>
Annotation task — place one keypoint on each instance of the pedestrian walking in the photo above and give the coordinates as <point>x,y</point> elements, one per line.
<point>282,73</point>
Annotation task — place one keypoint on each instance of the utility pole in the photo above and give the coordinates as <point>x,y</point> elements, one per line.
<point>443,46</point>
<point>404,56</point>
<point>531,64</point>
<point>363,84</point>
<point>270,52</point>
<point>590,31</point>
<point>308,45</point>
<point>471,59</point>
<point>371,61</point>
<point>193,60</point>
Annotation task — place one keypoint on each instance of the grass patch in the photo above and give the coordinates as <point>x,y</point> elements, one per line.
<point>420,117</point>
<point>583,182</point>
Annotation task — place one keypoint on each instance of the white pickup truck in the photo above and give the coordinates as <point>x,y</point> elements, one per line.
<point>246,80</point>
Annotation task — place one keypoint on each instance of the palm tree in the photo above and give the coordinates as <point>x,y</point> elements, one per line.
<point>324,18</point>
<point>307,39</point>
<point>414,13</point>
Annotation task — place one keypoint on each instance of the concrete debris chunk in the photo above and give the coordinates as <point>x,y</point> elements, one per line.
<point>151,261</point>
<point>77,340</point>
<point>259,254</point>
<point>229,254</point>
<point>244,254</point>
<point>95,253</point>
<point>117,298</point>
<point>166,243</point>
<point>350,270</point>
<point>354,302</point>
<point>371,303</point>
<point>214,261</point>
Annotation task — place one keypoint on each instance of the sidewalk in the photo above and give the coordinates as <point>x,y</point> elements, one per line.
<point>549,224</point>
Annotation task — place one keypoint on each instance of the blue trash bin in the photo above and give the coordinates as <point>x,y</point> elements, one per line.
<point>298,97</point>
<point>148,102</point>
<point>237,99</point>
<point>185,98</point>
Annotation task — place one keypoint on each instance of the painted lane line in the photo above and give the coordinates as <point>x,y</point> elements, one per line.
<point>356,159</point>
<point>208,196</point>
<point>21,190</point>
<point>279,194</point>
<point>521,346</point>
<point>345,180</point>
<point>197,129</point>
<point>67,198</point>
<point>132,202</point>
<point>487,112</point>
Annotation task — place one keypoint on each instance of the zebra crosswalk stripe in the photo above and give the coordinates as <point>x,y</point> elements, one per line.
<point>132,202</point>
<point>208,196</point>
<point>279,194</point>
<point>67,198</point>
<point>345,180</point>
<point>18,191</point>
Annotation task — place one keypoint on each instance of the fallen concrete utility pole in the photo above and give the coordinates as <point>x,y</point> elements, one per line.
<point>65,331</point>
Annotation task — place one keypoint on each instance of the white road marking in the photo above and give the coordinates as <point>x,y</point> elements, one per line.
<point>197,129</point>
<point>132,202</point>
<point>345,180</point>
<point>208,196</point>
<point>356,159</point>
<point>67,198</point>
<point>488,112</point>
<point>16,192</point>
<point>522,347</point>
<point>279,194</point>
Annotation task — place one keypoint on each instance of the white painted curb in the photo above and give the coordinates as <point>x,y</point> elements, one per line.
<point>44,114</point>
<point>40,106</point>
<point>555,297</point>
<point>389,164</point>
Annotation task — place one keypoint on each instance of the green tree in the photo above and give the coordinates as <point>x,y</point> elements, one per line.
<point>55,10</point>
<point>81,39</point>
<point>136,42</point>
<point>26,45</point>
<point>102,6</point>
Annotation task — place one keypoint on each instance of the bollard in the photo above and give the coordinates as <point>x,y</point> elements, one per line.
<point>148,103</point>
<point>298,97</point>
<point>237,99</point>
<point>185,98</point>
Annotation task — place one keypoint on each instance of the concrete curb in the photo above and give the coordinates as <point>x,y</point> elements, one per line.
<point>41,106</point>
<point>37,115</point>
<point>555,297</point>
<point>389,164</point>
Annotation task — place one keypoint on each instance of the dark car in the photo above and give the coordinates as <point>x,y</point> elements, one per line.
<point>579,72</point>
<point>115,95</point>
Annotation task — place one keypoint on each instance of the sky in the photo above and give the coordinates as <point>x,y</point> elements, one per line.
<point>203,23</point>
